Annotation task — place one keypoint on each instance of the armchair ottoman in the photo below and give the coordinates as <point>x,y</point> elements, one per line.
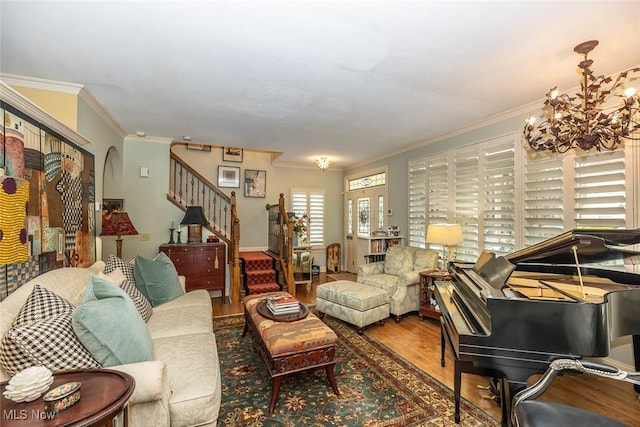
<point>399,276</point>
<point>352,302</point>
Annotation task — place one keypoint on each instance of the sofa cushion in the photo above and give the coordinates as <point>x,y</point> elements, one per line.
<point>193,371</point>
<point>43,335</point>
<point>180,321</point>
<point>157,279</point>
<point>398,260</point>
<point>353,295</point>
<point>140,301</point>
<point>40,305</point>
<point>425,259</point>
<point>109,325</point>
<point>113,262</point>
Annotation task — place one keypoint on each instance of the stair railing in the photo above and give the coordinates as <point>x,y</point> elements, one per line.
<point>280,240</point>
<point>188,188</point>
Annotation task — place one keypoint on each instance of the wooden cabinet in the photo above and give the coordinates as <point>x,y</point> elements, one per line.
<point>202,264</point>
<point>428,306</point>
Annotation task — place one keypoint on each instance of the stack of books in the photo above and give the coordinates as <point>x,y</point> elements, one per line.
<point>283,304</point>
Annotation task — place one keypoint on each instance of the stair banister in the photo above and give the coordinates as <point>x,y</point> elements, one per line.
<point>285,243</point>
<point>187,187</point>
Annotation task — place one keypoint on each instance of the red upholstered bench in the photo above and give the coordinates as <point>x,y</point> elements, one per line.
<point>288,347</point>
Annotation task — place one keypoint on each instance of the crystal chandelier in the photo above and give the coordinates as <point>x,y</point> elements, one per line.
<point>323,163</point>
<point>588,120</point>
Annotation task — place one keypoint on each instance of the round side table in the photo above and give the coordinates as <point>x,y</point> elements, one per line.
<point>103,395</point>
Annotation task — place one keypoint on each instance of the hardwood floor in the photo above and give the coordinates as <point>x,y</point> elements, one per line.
<point>419,342</point>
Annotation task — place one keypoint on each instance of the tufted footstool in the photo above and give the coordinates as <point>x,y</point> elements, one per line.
<point>354,303</point>
<point>289,346</point>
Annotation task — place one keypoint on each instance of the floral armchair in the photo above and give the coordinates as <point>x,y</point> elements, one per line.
<point>399,274</point>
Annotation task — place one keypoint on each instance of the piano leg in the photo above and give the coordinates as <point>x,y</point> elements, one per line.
<point>457,382</point>
<point>636,356</point>
<point>442,344</point>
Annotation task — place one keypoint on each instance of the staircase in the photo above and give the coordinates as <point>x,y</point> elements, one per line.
<point>188,188</point>
<point>259,274</point>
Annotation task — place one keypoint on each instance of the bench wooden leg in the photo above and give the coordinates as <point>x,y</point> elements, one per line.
<point>332,379</point>
<point>275,392</point>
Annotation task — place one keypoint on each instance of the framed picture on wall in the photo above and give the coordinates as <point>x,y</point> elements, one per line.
<point>255,183</point>
<point>228,176</point>
<point>232,154</point>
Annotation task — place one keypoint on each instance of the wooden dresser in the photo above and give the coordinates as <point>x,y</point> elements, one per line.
<point>202,264</point>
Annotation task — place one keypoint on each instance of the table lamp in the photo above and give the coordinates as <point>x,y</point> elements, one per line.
<point>194,218</point>
<point>445,235</point>
<point>117,223</point>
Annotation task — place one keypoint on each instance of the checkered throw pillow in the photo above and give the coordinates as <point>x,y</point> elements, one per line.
<point>114,262</point>
<point>50,343</point>
<point>140,301</point>
<point>41,304</point>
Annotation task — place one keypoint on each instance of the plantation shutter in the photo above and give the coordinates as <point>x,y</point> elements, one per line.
<point>417,203</point>
<point>438,189</point>
<point>543,199</point>
<point>467,200</point>
<point>311,202</point>
<point>600,196</point>
<point>316,212</point>
<point>498,186</point>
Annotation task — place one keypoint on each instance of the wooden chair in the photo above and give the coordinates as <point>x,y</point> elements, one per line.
<point>333,258</point>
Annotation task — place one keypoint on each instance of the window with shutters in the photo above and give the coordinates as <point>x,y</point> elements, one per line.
<point>507,198</point>
<point>310,202</point>
<point>473,186</point>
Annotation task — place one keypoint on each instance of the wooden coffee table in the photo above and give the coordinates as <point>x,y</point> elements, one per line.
<point>103,395</point>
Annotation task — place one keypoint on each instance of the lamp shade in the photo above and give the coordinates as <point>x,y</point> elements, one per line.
<point>117,223</point>
<point>444,234</point>
<point>194,216</point>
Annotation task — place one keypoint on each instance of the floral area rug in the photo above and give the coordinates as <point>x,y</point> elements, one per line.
<point>377,387</point>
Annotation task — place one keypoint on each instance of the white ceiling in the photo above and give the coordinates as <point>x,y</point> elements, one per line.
<point>349,80</point>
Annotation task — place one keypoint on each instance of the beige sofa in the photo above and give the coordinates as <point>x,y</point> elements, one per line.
<point>181,386</point>
<point>399,275</point>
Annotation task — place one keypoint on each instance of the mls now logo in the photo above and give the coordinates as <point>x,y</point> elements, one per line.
<point>23,414</point>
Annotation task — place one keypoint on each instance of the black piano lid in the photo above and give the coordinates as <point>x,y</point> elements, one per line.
<point>593,246</point>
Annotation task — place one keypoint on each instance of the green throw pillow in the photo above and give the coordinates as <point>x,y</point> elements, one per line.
<point>108,324</point>
<point>157,279</point>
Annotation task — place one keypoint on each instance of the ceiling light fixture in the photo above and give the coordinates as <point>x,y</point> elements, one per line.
<point>323,163</point>
<point>587,120</point>
<point>186,138</point>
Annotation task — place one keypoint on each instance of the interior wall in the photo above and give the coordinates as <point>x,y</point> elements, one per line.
<point>63,105</point>
<point>103,139</point>
<point>280,179</point>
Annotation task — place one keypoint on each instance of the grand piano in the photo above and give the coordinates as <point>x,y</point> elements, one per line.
<point>508,317</point>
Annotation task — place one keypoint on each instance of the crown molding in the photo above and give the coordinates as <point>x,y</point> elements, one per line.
<point>64,87</point>
<point>43,84</point>
<point>523,110</point>
<point>154,139</point>
<point>17,100</point>
<point>102,112</point>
